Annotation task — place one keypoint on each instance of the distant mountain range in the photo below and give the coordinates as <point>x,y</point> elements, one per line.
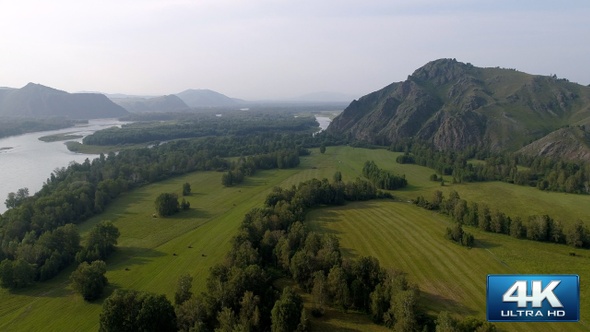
<point>38,101</point>
<point>168,103</point>
<point>35,100</point>
<point>455,106</point>
<point>207,98</point>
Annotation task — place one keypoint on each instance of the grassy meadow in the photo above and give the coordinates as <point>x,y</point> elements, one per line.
<point>153,252</point>
<point>451,277</point>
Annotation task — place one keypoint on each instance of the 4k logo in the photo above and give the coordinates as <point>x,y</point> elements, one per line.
<point>533,298</point>
<point>537,297</point>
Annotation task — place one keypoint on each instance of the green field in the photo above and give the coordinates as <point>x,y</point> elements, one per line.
<point>451,277</point>
<point>145,259</point>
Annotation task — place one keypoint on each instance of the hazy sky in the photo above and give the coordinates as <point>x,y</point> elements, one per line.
<point>266,49</point>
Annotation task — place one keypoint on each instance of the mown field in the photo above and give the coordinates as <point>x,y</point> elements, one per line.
<point>451,277</point>
<point>154,252</point>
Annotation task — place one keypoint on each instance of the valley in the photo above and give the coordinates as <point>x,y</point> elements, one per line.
<point>153,252</point>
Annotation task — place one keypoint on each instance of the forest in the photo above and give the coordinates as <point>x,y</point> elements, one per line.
<point>16,126</point>
<point>541,172</point>
<point>33,227</point>
<point>229,123</point>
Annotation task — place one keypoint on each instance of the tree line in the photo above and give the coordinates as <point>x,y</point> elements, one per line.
<point>536,227</point>
<point>541,172</point>
<point>383,179</point>
<point>281,159</point>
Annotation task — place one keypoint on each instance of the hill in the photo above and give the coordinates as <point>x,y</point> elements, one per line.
<point>455,105</point>
<point>168,103</point>
<point>38,101</point>
<point>206,98</point>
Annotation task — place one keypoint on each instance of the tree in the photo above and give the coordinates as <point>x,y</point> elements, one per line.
<point>319,293</point>
<point>445,323</point>
<point>227,320</point>
<point>323,148</point>
<point>577,235</point>
<point>16,274</point>
<point>191,314</point>
<point>250,312</point>
<point>286,313</point>
<point>186,189</point>
<point>101,242</point>
<point>337,176</point>
<point>129,310</point>
<point>303,322</point>
<point>338,287</point>
<point>14,199</point>
<point>11,201</point>
<point>404,307</point>
<point>183,289</point>
<point>89,280</point>
<point>167,204</point>
<point>185,205</point>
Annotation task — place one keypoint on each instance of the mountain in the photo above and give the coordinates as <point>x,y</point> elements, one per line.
<point>454,105</point>
<point>35,100</point>
<point>169,103</point>
<point>207,98</point>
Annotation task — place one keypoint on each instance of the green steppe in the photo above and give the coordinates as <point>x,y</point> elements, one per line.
<point>401,235</point>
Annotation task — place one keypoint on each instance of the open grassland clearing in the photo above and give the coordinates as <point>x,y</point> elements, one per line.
<point>451,277</point>
<point>511,199</point>
<point>523,201</point>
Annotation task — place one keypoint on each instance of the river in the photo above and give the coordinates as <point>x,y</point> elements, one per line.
<point>25,161</point>
<point>324,122</point>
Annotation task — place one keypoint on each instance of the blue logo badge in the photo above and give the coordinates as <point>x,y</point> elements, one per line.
<point>533,298</point>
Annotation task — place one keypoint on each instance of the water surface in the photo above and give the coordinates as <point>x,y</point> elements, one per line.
<point>25,161</point>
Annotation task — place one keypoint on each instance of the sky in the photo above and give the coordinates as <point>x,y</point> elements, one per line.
<point>276,49</point>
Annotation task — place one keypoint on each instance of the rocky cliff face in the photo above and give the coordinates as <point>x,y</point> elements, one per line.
<point>455,105</point>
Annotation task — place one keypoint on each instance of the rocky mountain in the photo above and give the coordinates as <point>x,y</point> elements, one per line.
<point>572,142</point>
<point>455,105</point>
<point>168,103</point>
<point>35,100</point>
<point>206,98</point>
